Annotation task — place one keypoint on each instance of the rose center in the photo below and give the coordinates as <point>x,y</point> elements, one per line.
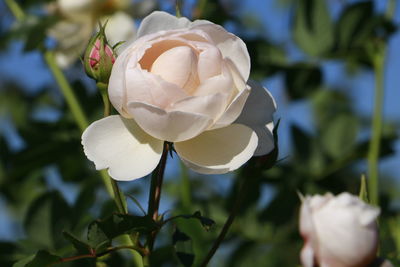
<point>178,65</point>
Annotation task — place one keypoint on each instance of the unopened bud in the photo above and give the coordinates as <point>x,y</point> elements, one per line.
<point>99,57</point>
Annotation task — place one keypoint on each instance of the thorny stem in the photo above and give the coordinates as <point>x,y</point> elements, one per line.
<point>228,223</point>
<point>155,193</point>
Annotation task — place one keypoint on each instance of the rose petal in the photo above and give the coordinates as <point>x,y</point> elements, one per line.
<point>218,151</point>
<point>233,111</point>
<point>307,255</point>
<point>259,108</point>
<point>174,126</point>
<point>121,146</point>
<point>116,84</point>
<point>231,46</point>
<point>209,105</point>
<point>159,21</point>
<point>183,72</point>
<point>258,115</point>
<point>143,86</point>
<point>210,63</point>
<point>222,83</point>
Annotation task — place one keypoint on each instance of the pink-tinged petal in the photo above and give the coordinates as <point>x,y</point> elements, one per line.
<point>258,115</point>
<point>218,151</point>
<point>183,72</point>
<point>143,86</point>
<point>210,63</point>
<point>231,46</point>
<point>222,83</point>
<point>161,21</point>
<point>208,105</point>
<point>174,126</point>
<point>121,146</point>
<point>233,111</point>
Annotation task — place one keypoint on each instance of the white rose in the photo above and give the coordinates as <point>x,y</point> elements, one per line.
<point>182,82</point>
<point>80,20</point>
<point>338,231</point>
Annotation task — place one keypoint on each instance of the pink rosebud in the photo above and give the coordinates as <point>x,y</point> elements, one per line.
<point>99,58</point>
<point>95,57</point>
<point>338,231</point>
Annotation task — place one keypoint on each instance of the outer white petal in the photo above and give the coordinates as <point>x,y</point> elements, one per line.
<point>258,115</point>
<point>121,146</point>
<point>174,126</point>
<point>218,151</point>
<point>160,21</point>
<point>343,240</point>
<point>120,27</point>
<point>117,83</point>
<point>233,110</point>
<point>209,105</point>
<point>231,46</point>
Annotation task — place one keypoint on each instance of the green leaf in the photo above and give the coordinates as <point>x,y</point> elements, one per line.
<point>46,218</point>
<point>353,26</point>
<point>183,247</point>
<point>41,259</point>
<point>79,245</point>
<point>302,80</point>
<point>101,232</point>
<point>339,137</point>
<point>313,27</point>
<point>207,223</point>
<point>23,262</point>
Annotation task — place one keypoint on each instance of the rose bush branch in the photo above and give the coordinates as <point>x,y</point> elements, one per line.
<point>155,193</point>
<point>232,215</point>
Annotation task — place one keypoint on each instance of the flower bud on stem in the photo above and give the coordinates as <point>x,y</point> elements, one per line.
<point>99,57</point>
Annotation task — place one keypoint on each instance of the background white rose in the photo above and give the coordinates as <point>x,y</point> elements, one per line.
<point>338,231</point>
<point>182,82</point>
<point>80,20</point>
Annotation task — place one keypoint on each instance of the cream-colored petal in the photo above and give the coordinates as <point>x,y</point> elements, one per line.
<point>209,105</point>
<point>231,46</point>
<point>233,111</point>
<point>178,65</point>
<point>121,146</point>
<point>218,151</point>
<point>210,63</point>
<point>161,21</point>
<point>258,115</point>
<point>117,83</point>
<point>260,106</point>
<point>222,83</point>
<point>174,126</point>
<point>143,86</point>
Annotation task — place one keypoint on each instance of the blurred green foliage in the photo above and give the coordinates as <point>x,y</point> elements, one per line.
<point>264,232</point>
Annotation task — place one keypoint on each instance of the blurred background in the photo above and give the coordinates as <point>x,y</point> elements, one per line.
<point>318,59</point>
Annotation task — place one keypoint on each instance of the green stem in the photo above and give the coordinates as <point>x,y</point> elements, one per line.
<point>67,91</point>
<point>236,206</point>
<point>16,10</point>
<point>374,146</point>
<point>81,121</point>
<point>155,194</point>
